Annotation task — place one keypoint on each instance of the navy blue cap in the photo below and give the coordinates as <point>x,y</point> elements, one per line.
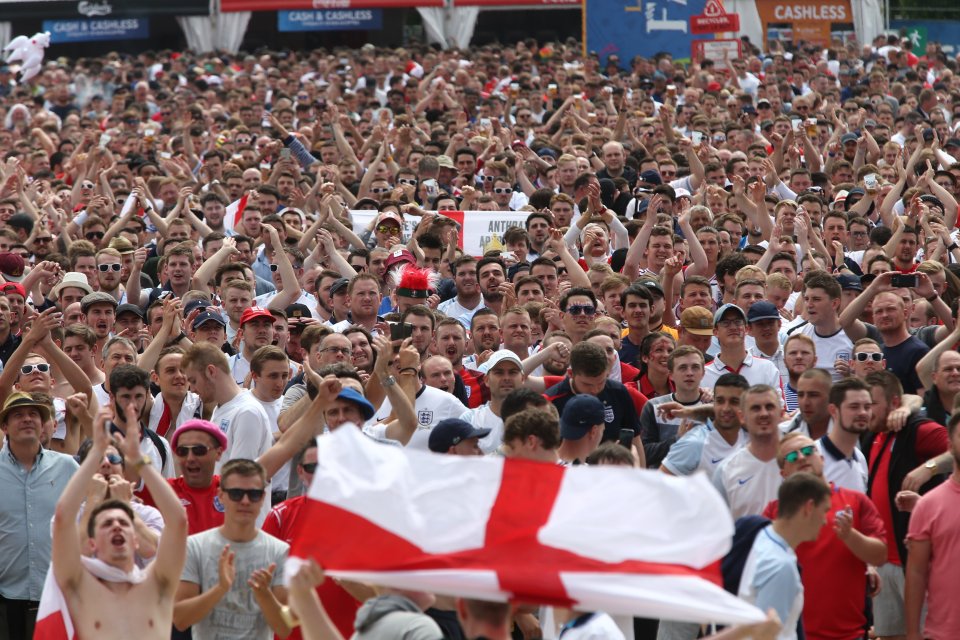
<point>581,413</point>
<point>352,395</point>
<point>130,308</point>
<point>651,176</point>
<point>762,310</point>
<point>849,137</point>
<point>207,316</point>
<point>297,310</point>
<point>451,432</point>
<point>338,284</point>
<point>193,304</point>
<point>850,282</point>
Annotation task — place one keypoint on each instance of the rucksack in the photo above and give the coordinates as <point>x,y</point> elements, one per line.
<point>744,533</point>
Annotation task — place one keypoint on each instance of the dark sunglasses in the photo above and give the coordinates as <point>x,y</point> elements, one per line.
<point>411,182</point>
<point>113,458</point>
<point>199,450</point>
<point>94,235</point>
<point>582,309</point>
<point>109,267</point>
<point>236,495</point>
<point>43,239</point>
<point>27,369</point>
<point>807,451</point>
<point>863,357</point>
<point>309,467</point>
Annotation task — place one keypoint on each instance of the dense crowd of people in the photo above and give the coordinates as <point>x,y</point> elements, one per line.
<point>746,267</point>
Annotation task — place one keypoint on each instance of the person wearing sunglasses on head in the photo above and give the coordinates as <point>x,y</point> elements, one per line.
<point>834,563</point>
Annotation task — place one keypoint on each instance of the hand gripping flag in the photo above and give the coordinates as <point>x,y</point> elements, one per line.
<point>608,539</point>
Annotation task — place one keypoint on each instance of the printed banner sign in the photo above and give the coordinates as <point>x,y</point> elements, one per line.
<point>808,20</point>
<point>64,31</point>
<point>477,228</point>
<point>629,28</point>
<point>74,9</point>
<point>227,6</point>
<point>330,20</point>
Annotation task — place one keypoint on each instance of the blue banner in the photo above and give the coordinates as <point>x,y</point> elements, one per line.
<point>640,27</point>
<point>946,32</point>
<point>330,20</point>
<point>90,30</point>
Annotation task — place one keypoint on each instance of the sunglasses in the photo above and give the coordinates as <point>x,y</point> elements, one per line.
<point>379,189</point>
<point>309,467</point>
<point>489,178</point>
<point>199,450</point>
<point>582,310</point>
<point>86,185</point>
<point>43,240</point>
<point>109,267</point>
<point>236,495</point>
<point>807,451</point>
<point>94,235</point>
<point>27,369</point>
<point>502,190</point>
<point>411,182</point>
<point>388,228</point>
<point>863,357</point>
<point>113,458</point>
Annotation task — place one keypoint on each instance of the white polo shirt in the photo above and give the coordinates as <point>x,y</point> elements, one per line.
<point>849,473</point>
<point>755,370</point>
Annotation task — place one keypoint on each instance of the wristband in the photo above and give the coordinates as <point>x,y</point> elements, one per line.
<point>932,298</point>
<point>953,246</point>
<point>414,369</point>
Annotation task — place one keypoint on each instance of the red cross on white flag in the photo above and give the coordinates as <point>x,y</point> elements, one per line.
<point>609,539</point>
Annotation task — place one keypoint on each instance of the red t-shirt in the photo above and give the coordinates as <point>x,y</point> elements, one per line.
<point>931,441</point>
<point>339,605</point>
<point>479,393</point>
<point>204,509</point>
<point>834,587</point>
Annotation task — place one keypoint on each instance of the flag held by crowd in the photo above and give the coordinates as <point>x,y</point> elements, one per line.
<point>592,538</point>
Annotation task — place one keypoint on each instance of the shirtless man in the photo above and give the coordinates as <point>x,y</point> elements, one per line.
<point>140,606</point>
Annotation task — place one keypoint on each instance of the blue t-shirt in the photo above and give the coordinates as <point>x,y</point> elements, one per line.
<point>902,361</point>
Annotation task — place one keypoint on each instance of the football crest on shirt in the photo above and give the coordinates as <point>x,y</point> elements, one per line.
<point>607,413</point>
<point>218,505</point>
<point>468,389</point>
<point>425,417</point>
<point>224,425</point>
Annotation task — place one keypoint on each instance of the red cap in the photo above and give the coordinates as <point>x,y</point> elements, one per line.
<point>390,215</point>
<point>13,287</point>
<point>11,267</point>
<point>400,255</point>
<point>713,87</point>
<point>253,313</point>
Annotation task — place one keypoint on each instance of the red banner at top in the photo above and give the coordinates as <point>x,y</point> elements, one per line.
<point>517,3</point>
<point>281,5</point>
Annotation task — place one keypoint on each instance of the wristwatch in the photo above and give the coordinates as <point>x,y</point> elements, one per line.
<point>389,381</point>
<point>930,464</point>
<point>142,462</point>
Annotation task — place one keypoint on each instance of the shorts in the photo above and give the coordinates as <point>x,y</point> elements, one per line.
<point>888,611</point>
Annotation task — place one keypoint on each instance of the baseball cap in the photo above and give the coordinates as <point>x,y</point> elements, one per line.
<point>580,414</point>
<point>390,215</point>
<point>96,297</point>
<point>749,109</point>
<point>13,287</point>
<point>652,285</point>
<point>352,395</point>
<point>849,137</point>
<point>451,432</point>
<point>762,310</point>
<point>697,320</point>
<point>651,176</point>
<point>207,316</point>
<point>951,142</point>
<point>11,267</point>
<point>199,425</point>
<point>763,102</point>
<point>130,308</point>
<point>297,310</point>
<point>718,316</point>
<point>200,303</point>
<point>445,162</point>
<point>682,193</point>
<point>338,285</point>
<point>253,313</point>
<point>850,282</point>
<point>398,256</point>
<point>500,356</point>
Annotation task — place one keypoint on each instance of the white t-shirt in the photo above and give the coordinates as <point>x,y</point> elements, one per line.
<point>454,309</point>
<point>483,418</point>
<point>282,477</point>
<point>247,427</point>
<point>432,406</point>
<point>829,348</point>
<point>747,483</point>
<point>702,448</point>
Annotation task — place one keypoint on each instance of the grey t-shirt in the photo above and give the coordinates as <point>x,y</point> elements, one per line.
<point>237,615</point>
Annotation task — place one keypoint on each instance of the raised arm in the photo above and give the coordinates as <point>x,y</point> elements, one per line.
<point>289,285</point>
<point>206,271</point>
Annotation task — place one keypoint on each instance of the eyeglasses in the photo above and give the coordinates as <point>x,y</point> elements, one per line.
<point>199,450</point>
<point>793,456</point>
<point>858,234</point>
<point>851,109</point>
<point>109,267</point>
<point>309,467</point>
<point>582,310</point>
<point>236,495</point>
<point>388,228</point>
<point>113,458</point>
<point>489,178</point>
<point>27,369</point>
<point>863,357</point>
<point>342,350</point>
<point>43,239</point>
<point>502,190</point>
<point>737,323</point>
<point>411,182</point>
<point>379,189</point>
<point>94,235</point>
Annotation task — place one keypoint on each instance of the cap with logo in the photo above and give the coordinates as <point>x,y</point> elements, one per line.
<point>581,413</point>
<point>208,316</point>
<point>451,432</point>
<point>11,267</point>
<point>298,311</point>
<point>697,320</point>
<point>253,313</point>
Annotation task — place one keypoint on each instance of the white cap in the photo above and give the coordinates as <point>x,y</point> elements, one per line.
<point>498,357</point>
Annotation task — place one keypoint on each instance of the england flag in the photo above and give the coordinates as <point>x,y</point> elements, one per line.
<point>612,539</point>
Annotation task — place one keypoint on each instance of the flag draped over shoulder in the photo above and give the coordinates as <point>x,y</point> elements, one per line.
<point>607,538</point>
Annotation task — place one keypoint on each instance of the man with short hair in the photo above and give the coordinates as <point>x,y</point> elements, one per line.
<point>763,324</point>
<point>844,464</point>
<point>749,477</point>
<point>363,299</point>
<point>799,355</point>
<point>821,300</point>
<point>578,310</point>
<point>939,373</point>
<point>175,404</point>
<point>449,340</point>
<point>33,479</point>
<point>659,433</point>
<point>270,371</point>
<point>491,274</point>
<point>100,602</point>
<point>503,373</point>
<point>130,387</point>
<point>516,332</point>
<point>835,563</point>
<point>581,428</point>
<point>210,599</point>
<point>485,335</point>
<point>729,327</point>
<point>813,419</point>
<point>99,309</point>
<point>468,298</point>
<point>637,302</point>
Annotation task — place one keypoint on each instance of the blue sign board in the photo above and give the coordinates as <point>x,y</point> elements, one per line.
<point>92,29</point>
<point>330,20</point>
<point>640,27</point>
<point>946,32</point>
